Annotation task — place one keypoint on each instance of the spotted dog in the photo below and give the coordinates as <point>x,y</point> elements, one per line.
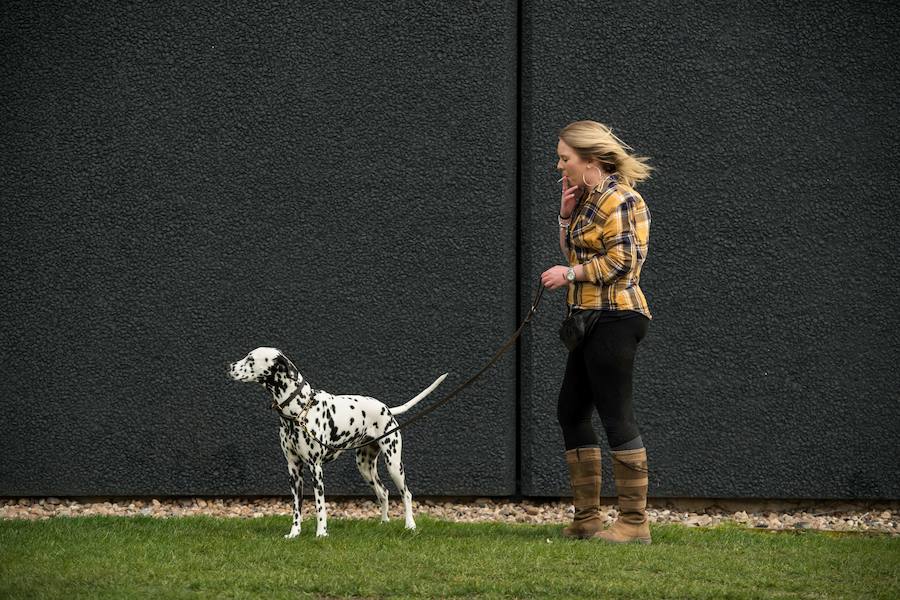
<point>339,421</point>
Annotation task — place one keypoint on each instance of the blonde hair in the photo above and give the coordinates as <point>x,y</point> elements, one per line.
<point>592,140</point>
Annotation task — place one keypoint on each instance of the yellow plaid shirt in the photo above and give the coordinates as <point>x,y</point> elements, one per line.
<point>609,234</point>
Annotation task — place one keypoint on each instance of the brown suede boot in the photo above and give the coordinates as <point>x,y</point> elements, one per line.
<point>630,470</point>
<point>584,473</point>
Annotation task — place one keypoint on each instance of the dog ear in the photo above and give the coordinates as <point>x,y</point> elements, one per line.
<point>282,363</point>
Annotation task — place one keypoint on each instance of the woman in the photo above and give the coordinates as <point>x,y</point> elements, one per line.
<point>604,228</point>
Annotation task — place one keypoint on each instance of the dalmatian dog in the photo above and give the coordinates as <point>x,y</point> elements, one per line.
<point>310,417</point>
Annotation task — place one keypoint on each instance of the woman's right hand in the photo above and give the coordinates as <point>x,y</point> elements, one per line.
<point>569,199</point>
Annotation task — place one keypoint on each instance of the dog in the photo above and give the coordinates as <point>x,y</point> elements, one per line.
<point>308,415</point>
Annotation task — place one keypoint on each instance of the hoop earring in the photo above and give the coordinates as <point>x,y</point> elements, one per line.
<point>589,186</point>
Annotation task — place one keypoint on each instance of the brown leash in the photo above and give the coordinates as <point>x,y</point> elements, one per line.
<point>503,349</point>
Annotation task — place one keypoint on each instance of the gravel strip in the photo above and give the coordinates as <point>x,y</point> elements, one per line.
<point>824,517</point>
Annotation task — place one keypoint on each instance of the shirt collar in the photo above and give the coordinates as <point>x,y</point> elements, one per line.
<point>607,184</point>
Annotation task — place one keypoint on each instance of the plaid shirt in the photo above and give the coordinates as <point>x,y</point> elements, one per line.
<point>609,234</point>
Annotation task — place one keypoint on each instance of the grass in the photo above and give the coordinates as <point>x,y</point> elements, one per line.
<point>205,557</point>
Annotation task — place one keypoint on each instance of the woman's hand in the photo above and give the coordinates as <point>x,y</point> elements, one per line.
<point>569,199</point>
<point>554,277</point>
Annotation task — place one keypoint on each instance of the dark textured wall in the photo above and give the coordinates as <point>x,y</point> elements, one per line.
<point>769,370</point>
<point>181,184</point>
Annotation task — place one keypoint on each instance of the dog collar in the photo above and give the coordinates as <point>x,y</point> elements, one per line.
<point>306,407</point>
<point>280,406</point>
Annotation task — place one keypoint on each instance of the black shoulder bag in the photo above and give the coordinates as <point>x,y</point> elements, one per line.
<point>575,327</point>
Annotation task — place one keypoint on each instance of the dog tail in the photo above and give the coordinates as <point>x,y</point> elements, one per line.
<point>399,410</point>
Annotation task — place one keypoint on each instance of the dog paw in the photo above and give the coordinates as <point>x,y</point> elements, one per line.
<point>323,534</point>
<point>294,533</point>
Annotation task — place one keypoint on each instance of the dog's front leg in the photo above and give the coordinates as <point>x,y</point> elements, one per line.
<point>318,481</point>
<point>295,468</point>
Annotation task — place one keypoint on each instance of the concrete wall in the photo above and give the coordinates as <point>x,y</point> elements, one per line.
<point>371,189</point>
<point>185,184</point>
<point>768,370</point>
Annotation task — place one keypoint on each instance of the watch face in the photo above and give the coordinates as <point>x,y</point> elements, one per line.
<point>570,274</point>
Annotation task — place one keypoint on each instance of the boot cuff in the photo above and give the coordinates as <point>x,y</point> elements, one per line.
<point>581,454</point>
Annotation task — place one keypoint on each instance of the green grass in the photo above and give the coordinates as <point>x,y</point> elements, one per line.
<point>100,557</point>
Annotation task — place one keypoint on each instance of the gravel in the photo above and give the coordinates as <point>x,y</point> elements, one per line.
<point>690,513</point>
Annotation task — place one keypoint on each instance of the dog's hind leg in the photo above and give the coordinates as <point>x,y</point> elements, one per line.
<point>392,446</point>
<point>295,468</point>
<point>367,463</point>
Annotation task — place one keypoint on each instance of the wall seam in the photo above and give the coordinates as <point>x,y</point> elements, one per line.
<point>519,249</point>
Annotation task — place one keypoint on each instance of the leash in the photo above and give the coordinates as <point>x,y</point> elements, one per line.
<point>503,349</point>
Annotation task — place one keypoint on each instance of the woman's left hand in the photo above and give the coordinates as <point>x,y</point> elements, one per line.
<point>554,277</point>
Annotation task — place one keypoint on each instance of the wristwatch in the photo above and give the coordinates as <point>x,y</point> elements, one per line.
<point>570,275</point>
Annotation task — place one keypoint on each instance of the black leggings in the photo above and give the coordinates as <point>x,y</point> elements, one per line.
<point>598,376</point>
